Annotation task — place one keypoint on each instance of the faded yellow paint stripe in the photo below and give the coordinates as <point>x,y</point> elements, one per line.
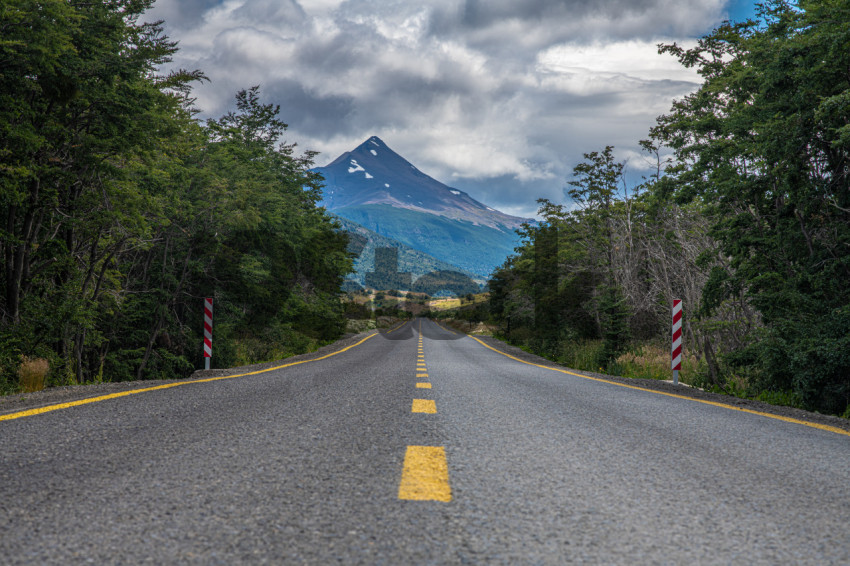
<point>68,405</point>
<point>446,328</point>
<point>423,406</point>
<point>421,375</point>
<point>425,476</point>
<point>828,428</point>
<point>397,327</point>
<point>422,385</point>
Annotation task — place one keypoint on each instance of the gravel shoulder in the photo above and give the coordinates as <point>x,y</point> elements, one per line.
<point>65,394</point>
<point>681,390</point>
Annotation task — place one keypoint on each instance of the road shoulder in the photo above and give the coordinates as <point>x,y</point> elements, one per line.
<point>55,395</point>
<point>678,390</point>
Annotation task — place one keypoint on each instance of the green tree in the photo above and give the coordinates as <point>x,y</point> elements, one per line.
<point>764,145</point>
<point>121,210</point>
<point>79,97</point>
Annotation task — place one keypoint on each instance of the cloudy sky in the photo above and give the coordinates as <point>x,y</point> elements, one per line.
<point>499,98</point>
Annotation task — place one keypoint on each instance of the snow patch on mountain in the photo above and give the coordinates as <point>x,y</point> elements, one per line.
<point>404,187</point>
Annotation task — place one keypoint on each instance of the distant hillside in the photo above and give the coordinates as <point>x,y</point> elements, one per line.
<point>471,248</point>
<point>380,190</point>
<point>410,260</point>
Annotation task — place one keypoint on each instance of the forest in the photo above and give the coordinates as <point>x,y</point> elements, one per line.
<point>121,210</point>
<point>745,218</point>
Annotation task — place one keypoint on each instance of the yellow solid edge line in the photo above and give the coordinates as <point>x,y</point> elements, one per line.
<point>423,406</point>
<point>425,476</point>
<point>49,408</point>
<point>444,327</point>
<point>422,385</point>
<point>686,398</point>
<point>396,328</point>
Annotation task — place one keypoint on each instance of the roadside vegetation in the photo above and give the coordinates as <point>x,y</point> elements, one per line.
<point>746,219</point>
<point>121,210</point>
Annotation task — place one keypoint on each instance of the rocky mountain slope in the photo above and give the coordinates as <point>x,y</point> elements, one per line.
<point>377,188</point>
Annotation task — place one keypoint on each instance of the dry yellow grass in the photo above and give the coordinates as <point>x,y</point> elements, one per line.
<point>449,303</point>
<point>31,374</point>
<point>444,304</point>
<point>653,362</point>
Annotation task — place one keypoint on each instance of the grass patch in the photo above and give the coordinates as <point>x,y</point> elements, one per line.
<point>785,399</point>
<point>356,326</point>
<point>652,361</point>
<point>32,373</point>
<point>581,355</point>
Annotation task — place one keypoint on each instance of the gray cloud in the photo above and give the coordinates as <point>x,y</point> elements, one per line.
<point>184,14</point>
<point>307,111</point>
<point>496,97</point>
<point>288,12</point>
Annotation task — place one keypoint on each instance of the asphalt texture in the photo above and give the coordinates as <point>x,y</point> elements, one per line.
<point>303,465</point>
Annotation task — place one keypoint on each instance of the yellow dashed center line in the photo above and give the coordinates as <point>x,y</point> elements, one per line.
<point>426,475</point>
<point>423,406</point>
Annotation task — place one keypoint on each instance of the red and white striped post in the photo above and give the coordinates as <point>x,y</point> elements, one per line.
<point>677,339</point>
<point>207,331</point>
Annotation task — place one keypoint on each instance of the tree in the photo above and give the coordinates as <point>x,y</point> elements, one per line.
<point>79,99</point>
<point>764,145</point>
<point>121,210</point>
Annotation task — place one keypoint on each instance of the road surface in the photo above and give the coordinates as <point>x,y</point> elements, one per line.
<point>418,446</point>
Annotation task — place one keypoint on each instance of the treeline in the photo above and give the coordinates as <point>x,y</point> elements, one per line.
<point>121,210</point>
<point>746,219</point>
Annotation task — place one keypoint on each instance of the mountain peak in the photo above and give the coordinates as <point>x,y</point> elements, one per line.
<point>372,173</point>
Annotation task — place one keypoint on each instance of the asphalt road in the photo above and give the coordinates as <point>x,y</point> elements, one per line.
<point>325,462</point>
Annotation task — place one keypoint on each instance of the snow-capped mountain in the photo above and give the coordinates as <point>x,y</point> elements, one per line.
<point>379,189</point>
<point>375,174</point>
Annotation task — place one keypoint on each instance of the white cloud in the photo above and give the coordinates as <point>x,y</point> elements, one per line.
<point>499,98</point>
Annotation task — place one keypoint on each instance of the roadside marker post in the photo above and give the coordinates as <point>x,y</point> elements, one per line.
<point>677,339</point>
<point>208,310</point>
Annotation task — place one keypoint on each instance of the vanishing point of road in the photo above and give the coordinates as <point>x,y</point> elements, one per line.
<point>418,446</point>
